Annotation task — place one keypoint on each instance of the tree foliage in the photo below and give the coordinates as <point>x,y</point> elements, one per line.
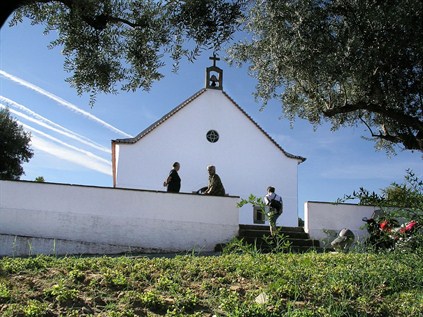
<point>39,179</point>
<point>405,199</point>
<point>349,62</point>
<point>14,147</point>
<point>397,201</point>
<point>117,44</point>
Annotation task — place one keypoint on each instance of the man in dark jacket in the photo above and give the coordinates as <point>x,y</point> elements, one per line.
<point>173,181</point>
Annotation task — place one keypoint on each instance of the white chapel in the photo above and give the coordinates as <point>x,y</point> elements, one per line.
<point>210,128</point>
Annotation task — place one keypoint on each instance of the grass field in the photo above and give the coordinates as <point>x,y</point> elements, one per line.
<point>234,284</point>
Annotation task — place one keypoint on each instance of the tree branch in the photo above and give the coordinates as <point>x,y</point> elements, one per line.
<point>98,22</point>
<point>409,140</point>
<point>394,114</point>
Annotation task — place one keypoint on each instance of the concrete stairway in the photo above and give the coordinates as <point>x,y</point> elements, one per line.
<point>259,236</point>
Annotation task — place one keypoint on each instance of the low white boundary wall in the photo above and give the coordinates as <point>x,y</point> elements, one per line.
<point>150,220</point>
<point>331,217</point>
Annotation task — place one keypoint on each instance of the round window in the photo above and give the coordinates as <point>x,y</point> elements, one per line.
<point>212,136</point>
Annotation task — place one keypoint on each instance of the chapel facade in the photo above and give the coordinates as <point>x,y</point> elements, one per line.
<point>210,128</point>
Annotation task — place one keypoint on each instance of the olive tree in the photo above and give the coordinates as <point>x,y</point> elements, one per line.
<point>348,62</point>
<point>117,44</point>
<point>14,147</point>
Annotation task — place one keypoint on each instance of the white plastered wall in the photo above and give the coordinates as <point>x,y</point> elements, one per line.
<point>245,158</point>
<point>143,219</point>
<point>322,219</point>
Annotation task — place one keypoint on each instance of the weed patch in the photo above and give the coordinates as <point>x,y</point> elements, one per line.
<point>233,284</point>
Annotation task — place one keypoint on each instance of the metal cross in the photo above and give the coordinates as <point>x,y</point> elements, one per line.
<point>214,58</point>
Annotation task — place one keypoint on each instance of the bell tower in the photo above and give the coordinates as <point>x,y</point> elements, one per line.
<point>214,75</point>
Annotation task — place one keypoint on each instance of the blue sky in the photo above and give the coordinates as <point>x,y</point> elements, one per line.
<point>72,141</point>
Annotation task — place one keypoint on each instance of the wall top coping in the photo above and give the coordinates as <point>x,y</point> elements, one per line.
<point>113,188</point>
<point>335,203</point>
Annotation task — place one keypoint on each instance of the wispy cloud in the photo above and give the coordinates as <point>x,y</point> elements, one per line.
<point>44,122</point>
<point>62,102</point>
<point>65,151</point>
<point>311,145</point>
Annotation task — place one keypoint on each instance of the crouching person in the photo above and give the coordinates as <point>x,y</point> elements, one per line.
<point>344,240</point>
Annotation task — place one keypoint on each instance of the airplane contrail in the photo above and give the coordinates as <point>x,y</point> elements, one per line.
<point>62,102</point>
<point>40,120</point>
<point>74,148</point>
<point>63,153</point>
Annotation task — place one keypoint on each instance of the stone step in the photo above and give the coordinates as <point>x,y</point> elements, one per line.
<point>294,242</point>
<point>259,237</point>
<point>264,233</point>
<point>266,228</point>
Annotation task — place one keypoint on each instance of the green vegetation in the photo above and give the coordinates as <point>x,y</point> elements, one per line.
<point>348,63</point>
<point>246,284</point>
<point>407,196</point>
<point>397,201</point>
<point>242,281</point>
<point>14,146</point>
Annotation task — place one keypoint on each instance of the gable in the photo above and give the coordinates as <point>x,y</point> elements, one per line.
<point>185,104</point>
<point>247,158</point>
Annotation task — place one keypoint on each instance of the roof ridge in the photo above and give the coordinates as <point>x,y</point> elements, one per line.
<point>302,159</point>
<point>185,103</point>
<point>161,120</point>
